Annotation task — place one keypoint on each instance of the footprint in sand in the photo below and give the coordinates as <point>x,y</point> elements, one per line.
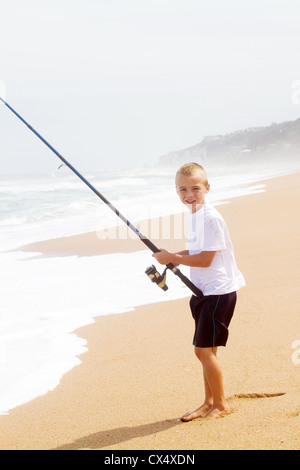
<point>251,396</point>
<point>256,395</point>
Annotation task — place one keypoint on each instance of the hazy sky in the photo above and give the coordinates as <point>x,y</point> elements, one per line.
<point>118,83</point>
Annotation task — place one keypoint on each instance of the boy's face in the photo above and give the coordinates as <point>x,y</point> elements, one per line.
<point>192,191</point>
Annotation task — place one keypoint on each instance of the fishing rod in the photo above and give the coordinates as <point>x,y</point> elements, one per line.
<point>152,273</point>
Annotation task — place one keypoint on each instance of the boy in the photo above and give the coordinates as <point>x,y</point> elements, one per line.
<point>214,271</point>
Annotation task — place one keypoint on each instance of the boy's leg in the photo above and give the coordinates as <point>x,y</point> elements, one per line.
<point>208,401</point>
<point>214,377</point>
<point>215,404</point>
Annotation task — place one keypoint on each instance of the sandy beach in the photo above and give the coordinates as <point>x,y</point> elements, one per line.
<point>140,373</point>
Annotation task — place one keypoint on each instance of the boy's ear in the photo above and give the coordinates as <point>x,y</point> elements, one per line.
<point>207,188</point>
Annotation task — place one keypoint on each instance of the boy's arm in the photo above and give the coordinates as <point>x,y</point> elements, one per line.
<point>184,252</point>
<point>201,260</point>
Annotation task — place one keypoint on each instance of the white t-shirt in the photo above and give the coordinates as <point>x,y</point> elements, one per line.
<point>207,231</point>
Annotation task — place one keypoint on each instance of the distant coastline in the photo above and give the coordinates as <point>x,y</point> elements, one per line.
<point>260,145</point>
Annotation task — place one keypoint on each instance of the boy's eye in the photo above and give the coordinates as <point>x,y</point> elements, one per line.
<point>182,190</point>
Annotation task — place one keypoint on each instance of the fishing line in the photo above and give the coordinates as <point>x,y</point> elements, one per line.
<point>151,272</point>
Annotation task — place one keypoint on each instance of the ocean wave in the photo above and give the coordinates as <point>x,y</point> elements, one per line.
<point>26,187</point>
<point>12,221</point>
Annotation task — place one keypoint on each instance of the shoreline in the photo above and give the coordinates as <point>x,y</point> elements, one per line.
<point>160,230</point>
<point>139,374</point>
<point>116,239</point>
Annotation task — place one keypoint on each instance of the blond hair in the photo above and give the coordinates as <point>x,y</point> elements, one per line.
<point>192,169</point>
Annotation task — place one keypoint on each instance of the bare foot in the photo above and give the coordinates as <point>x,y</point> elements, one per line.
<point>217,412</point>
<point>198,413</point>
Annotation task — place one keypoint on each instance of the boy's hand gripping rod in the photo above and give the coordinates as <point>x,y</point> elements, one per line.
<point>142,237</point>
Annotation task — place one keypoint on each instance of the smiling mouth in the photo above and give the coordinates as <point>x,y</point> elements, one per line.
<point>190,202</point>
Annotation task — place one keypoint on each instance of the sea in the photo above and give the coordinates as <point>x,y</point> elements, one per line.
<point>44,299</point>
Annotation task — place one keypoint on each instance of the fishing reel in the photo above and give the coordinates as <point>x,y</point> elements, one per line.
<point>159,279</point>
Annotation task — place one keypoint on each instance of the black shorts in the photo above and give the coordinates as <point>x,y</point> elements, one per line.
<point>212,315</point>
